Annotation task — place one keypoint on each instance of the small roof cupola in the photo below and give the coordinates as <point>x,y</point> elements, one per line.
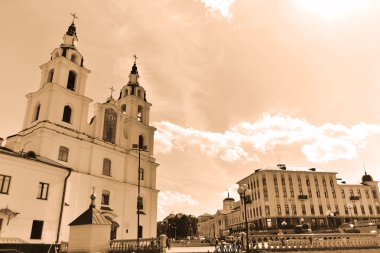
<point>134,75</point>
<point>91,215</point>
<point>366,177</point>
<point>71,35</point>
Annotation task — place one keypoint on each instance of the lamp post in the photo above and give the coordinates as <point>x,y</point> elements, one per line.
<point>140,147</point>
<point>244,193</point>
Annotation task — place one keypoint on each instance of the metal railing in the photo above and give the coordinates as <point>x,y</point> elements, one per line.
<point>314,241</point>
<point>151,245</point>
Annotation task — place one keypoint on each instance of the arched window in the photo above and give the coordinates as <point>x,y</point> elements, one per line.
<point>105,197</point>
<point>141,141</point>
<point>71,80</point>
<point>50,76</point>
<point>63,154</point>
<point>139,93</point>
<point>123,108</point>
<point>73,58</point>
<point>106,167</point>
<point>109,127</point>
<point>126,92</point>
<point>67,114</point>
<point>140,113</point>
<point>36,112</point>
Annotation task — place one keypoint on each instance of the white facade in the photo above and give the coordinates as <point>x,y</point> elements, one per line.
<point>100,153</point>
<point>283,197</point>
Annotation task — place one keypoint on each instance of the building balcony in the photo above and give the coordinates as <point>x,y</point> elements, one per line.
<point>354,197</point>
<point>302,197</point>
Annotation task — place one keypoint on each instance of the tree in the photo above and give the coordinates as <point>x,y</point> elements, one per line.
<point>178,226</point>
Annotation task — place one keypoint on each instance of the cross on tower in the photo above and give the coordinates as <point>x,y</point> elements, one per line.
<point>112,90</point>
<point>74,16</point>
<point>135,58</point>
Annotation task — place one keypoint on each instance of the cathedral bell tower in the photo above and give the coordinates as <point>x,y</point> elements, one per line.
<point>134,105</point>
<point>60,98</point>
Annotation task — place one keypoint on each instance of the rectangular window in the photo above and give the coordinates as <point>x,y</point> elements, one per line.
<point>366,194</point>
<point>359,193</point>
<point>275,180</point>
<point>294,209</point>
<point>336,209</point>
<point>351,192</point>
<point>310,194</point>
<point>269,223</point>
<point>286,209</point>
<point>346,210</point>
<point>312,210</point>
<point>291,192</point>
<point>43,191</point>
<point>318,193</point>
<point>307,181</point>
<point>316,182</point>
<point>324,181</point>
<point>290,180</point>
<point>334,194</point>
<point>370,209</point>
<point>374,193</point>
<point>331,182</point>
<point>277,193</point>
<point>362,208</point>
<point>5,182</point>
<point>285,193</point>
<point>343,194</point>
<point>303,207</point>
<point>37,227</point>
<point>320,210</point>
<point>63,154</point>
<point>265,193</point>
<point>105,198</point>
<point>282,180</point>
<point>355,209</point>
<point>278,209</point>
<point>264,181</point>
<point>267,210</point>
<point>326,194</point>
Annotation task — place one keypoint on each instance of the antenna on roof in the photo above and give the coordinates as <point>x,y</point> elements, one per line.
<point>278,158</point>
<point>365,172</point>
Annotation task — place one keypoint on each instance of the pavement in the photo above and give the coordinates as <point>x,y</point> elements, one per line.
<point>191,249</point>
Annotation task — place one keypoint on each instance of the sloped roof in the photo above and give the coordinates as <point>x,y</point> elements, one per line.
<point>37,158</point>
<point>91,217</point>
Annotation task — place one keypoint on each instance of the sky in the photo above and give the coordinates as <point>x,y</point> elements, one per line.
<point>235,85</point>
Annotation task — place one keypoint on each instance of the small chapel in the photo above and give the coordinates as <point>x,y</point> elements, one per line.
<point>58,159</point>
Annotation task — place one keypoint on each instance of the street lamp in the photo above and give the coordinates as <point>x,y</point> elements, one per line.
<point>140,147</point>
<point>244,193</point>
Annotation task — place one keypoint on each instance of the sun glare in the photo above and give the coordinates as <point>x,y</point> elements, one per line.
<point>333,9</point>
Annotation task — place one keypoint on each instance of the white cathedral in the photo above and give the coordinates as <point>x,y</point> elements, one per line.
<point>49,169</point>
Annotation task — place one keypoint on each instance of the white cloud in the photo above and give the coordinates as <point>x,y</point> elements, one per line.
<point>222,6</point>
<point>169,199</point>
<point>231,192</point>
<point>246,140</point>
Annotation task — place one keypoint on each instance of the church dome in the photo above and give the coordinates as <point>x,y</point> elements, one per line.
<point>367,178</point>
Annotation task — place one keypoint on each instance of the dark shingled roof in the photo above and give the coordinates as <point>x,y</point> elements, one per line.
<point>91,216</point>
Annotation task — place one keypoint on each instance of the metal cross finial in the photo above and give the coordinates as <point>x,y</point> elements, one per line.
<point>74,16</point>
<point>112,90</point>
<point>135,56</point>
